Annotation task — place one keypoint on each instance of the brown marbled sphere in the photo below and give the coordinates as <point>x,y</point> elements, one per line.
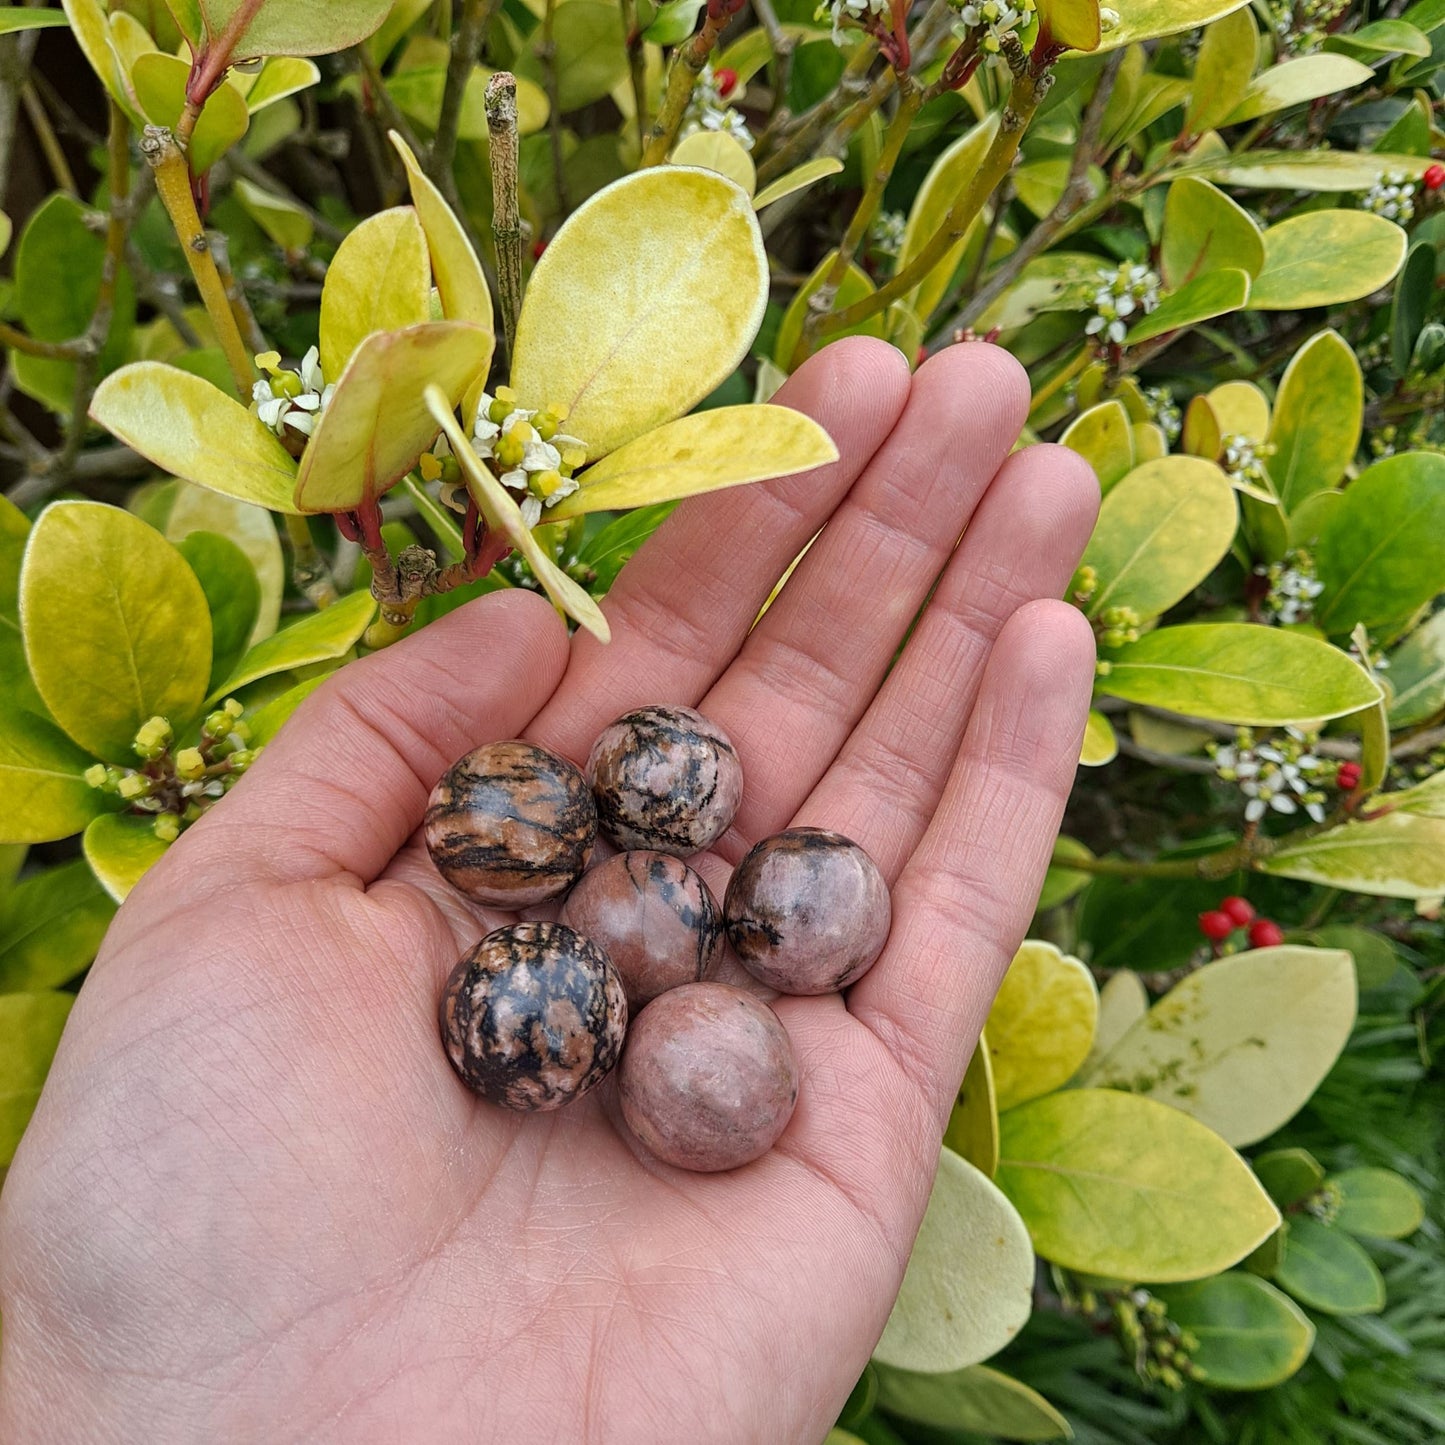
<point>533,1016</point>
<point>665,778</point>
<point>511,824</point>
<point>807,911</point>
<point>708,1080</point>
<point>654,918</point>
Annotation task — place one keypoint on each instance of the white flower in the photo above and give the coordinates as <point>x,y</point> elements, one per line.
<point>1392,196</point>
<point>281,404</point>
<point>997,19</point>
<point>841,10</point>
<point>1120,294</point>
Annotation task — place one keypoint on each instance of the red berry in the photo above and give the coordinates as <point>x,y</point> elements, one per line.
<point>1239,911</point>
<point>1216,926</point>
<point>1348,777</point>
<point>1434,177</point>
<point>1265,934</point>
<point>727,82</point>
<point>538,246</point>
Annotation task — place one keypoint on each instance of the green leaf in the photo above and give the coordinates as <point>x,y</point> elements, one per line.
<point>282,75</point>
<point>190,429</point>
<point>1318,413</point>
<point>1369,555</point>
<point>1398,855</point>
<point>1297,81</point>
<point>1381,37</point>
<point>796,179</point>
<point>43,792</point>
<point>1062,883</point>
<point>1377,1203</point>
<point>975,1399</point>
<point>1414,292</point>
<point>968,1289</point>
<point>17,691</point>
<point>1226,61</point>
<point>120,850</point>
<point>1116,1185</point>
<point>1237,673</point>
<point>116,626</point>
<point>267,721</point>
<point>609,550</point>
<point>1251,1337</point>
<point>590,53</point>
<point>711,150</point>
<point>377,424</point>
<point>1149,924</point>
<point>1417,674</point>
<point>15,19</point>
<point>1161,532</point>
<point>854,287</point>
<point>319,638</point>
<point>1305,170</point>
<point>1290,1175</point>
<point>379,280</point>
<point>1104,437</point>
<point>92,33</point>
<point>1243,1043</point>
<point>51,926</point>
<point>1215,294</point>
<point>1074,23</point>
<point>1150,19</point>
<point>1323,258</point>
<point>1101,745</point>
<point>1123,1001</point>
<point>1205,231</point>
<point>1041,1025</point>
<point>31,1024</point>
<point>285,222</point>
<point>1375,958</point>
<point>160,88</point>
<point>1325,1269</point>
<point>233,596</point>
<point>972,1131</point>
<point>281,27</point>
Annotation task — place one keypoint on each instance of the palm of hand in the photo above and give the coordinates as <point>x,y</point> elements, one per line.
<point>256,1204</point>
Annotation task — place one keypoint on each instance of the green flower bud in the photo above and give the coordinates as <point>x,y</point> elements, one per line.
<point>133,786</point>
<point>242,759</point>
<point>153,738</point>
<point>167,827</point>
<point>190,765</point>
<point>97,775</point>
<point>217,724</point>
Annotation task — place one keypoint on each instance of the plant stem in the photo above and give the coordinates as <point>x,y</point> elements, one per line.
<point>308,567</point>
<point>851,85</point>
<point>547,53</point>
<point>501,103</point>
<point>781,44</point>
<point>173,184</point>
<point>466,46</point>
<point>236,297</point>
<point>1062,378</point>
<point>1129,868</point>
<point>687,63</point>
<point>636,69</point>
<point>45,133</point>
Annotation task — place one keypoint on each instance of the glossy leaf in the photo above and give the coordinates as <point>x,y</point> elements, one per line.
<point>1381,37</point>
<point>1150,19</point>
<point>281,27</point>
<point>974,1399</point>
<point>285,222</point>
<point>1074,23</point>
<point>1241,409</point>
<point>711,150</point>
<point>233,596</point>
<point>92,34</point>
<point>43,792</point>
<point>1298,81</point>
<point>268,720</point>
<point>379,280</point>
<point>1251,1337</point>
<point>1243,1043</point>
<point>609,550</point>
<point>1161,532</point>
<point>796,179</point>
<point>1116,1185</point>
<point>590,53</point>
<point>12,20</point>
<point>1215,294</point>
<point>1041,1024</point>
<point>1414,294</point>
<point>1375,958</point>
<point>377,424</point>
<point>645,301</point>
<point>972,1131</point>
<point>31,1024</point>
<point>1325,1269</point>
<point>160,88</point>
<point>1321,170</point>
<point>1104,437</point>
<point>282,75</point>
<point>1323,258</point>
<point>854,287</point>
<point>1234,672</point>
<point>724,447</point>
<point>116,626</point>
<point>1318,413</point>
<point>1289,1175</point>
<point>1123,1001</point>
<point>1100,746</point>
<point>1205,231</point>
<point>1377,1203</point>
<point>419,90</point>
<point>190,429</point>
<point>1399,855</point>
<point>120,850</point>
<point>320,637</point>
<point>1417,675</point>
<point>1227,57</point>
<point>1369,555</point>
<point>968,1289</point>
<point>51,925</point>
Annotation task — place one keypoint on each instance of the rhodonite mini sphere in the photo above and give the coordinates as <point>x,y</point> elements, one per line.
<point>807,911</point>
<point>533,1016</point>
<point>511,824</point>
<point>708,1080</point>
<point>665,778</point>
<point>653,916</point>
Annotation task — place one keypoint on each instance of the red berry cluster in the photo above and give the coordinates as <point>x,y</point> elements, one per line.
<point>1434,177</point>
<point>1233,912</point>
<point>1347,779</point>
<point>727,81</point>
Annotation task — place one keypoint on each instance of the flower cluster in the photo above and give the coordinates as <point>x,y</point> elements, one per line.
<point>1293,587</point>
<point>996,19</point>
<point>1244,459</point>
<point>178,784</point>
<point>1164,411</point>
<point>1119,294</point>
<point>1155,1345</point>
<point>1116,626</point>
<point>708,108</point>
<point>885,235</point>
<point>1278,774</point>
<point>288,398</point>
<point>1303,24</point>
<point>842,10</point>
<point>1392,196</point>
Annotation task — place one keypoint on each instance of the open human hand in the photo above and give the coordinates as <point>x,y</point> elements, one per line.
<point>256,1204</point>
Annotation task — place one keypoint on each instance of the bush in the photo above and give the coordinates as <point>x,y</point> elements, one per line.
<point>1191,1186</point>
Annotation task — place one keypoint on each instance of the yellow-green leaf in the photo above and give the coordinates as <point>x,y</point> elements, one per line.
<point>1243,1043</point>
<point>1297,81</point>
<point>854,287</point>
<point>1123,1001</point>
<point>1204,231</point>
<point>790,181</point>
<point>92,33</point>
<point>282,75</point>
<point>1100,745</point>
<point>1074,23</point>
<point>968,1289</point>
<point>1161,532</point>
<point>31,1024</point>
<point>282,27</point>
<point>1215,294</point>
<point>120,849</point>
<point>1325,1269</point>
<point>1318,414</point>
<point>1251,1337</point>
<point>1417,674</point>
<point>43,792</point>
<point>1303,170</point>
<point>975,1399</point>
<point>1323,258</point>
<point>160,89</point>
<point>286,223</point>
<point>1227,57</point>
<point>418,92</point>
<point>115,623</point>
<point>1062,882</point>
<point>722,447</point>
<point>1398,855</point>
<point>1116,1185</point>
<point>6,228</point>
<point>1149,19</point>
<point>190,429</point>
<point>12,20</point>
<point>379,280</point>
<point>317,638</point>
<point>51,925</point>
<point>645,301</point>
<point>1104,437</point>
<point>1377,1203</point>
<point>1041,1024</point>
<point>377,424</point>
<point>1241,409</point>
<point>711,150</point>
<point>972,1131</point>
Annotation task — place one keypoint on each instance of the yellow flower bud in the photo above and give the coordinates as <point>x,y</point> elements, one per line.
<point>167,827</point>
<point>233,707</point>
<point>190,765</point>
<point>510,449</point>
<point>133,786</point>
<point>431,468</point>
<point>544,484</point>
<point>268,361</point>
<point>96,775</point>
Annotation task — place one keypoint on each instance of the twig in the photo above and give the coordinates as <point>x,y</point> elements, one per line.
<point>782,46</point>
<point>636,69</point>
<point>852,85</point>
<point>687,63</point>
<point>236,297</point>
<point>16,53</point>
<point>161,291</point>
<point>547,54</point>
<point>45,134</point>
<point>501,102</point>
<point>308,567</point>
<point>466,45</point>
